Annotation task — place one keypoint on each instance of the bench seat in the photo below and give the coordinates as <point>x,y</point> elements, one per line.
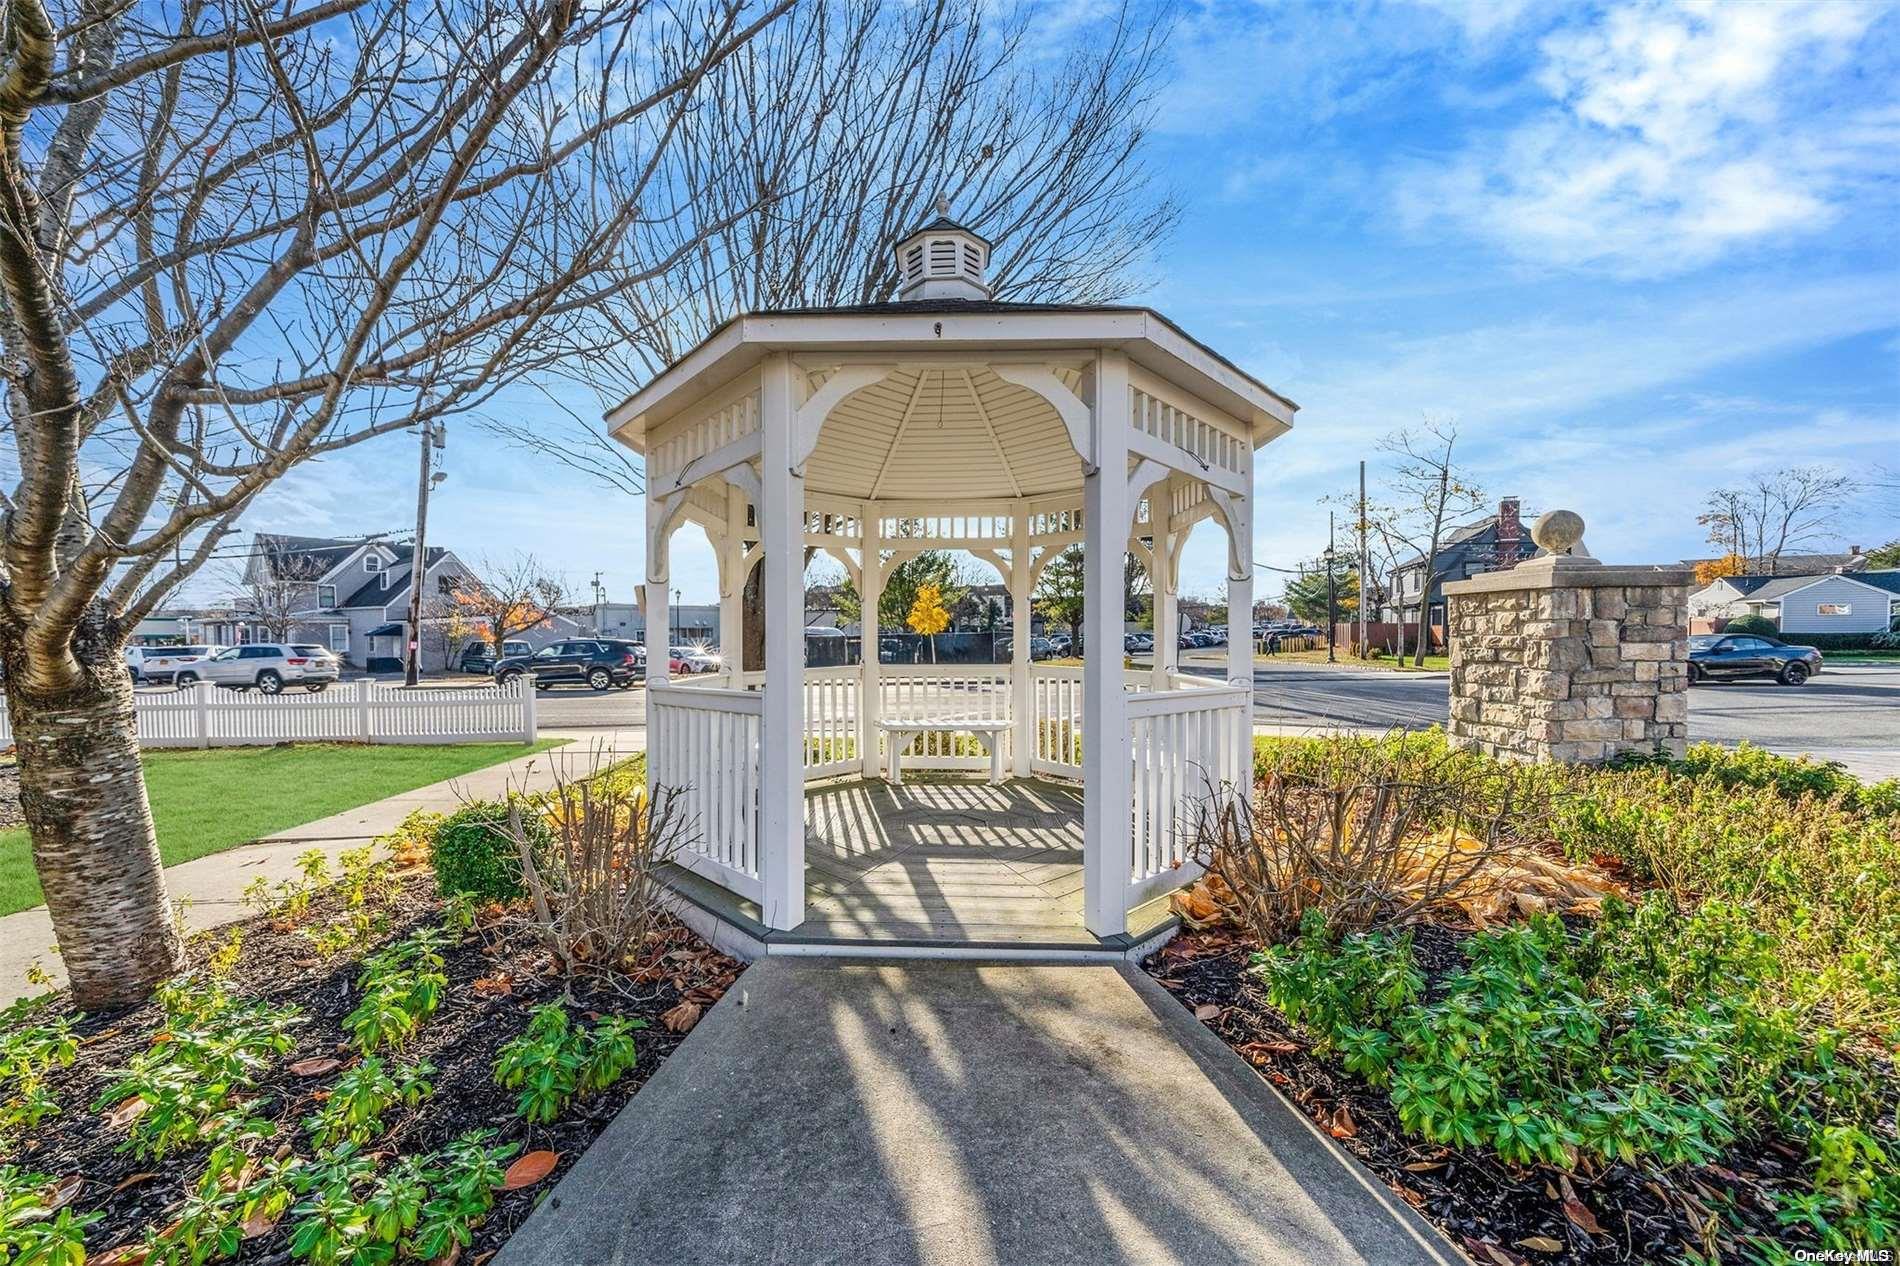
<point>987,731</point>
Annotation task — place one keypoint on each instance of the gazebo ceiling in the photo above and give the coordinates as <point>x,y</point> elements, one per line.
<point>927,432</point>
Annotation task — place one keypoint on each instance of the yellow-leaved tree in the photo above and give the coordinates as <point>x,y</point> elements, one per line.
<point>1711,570</point>
<point>928,615</point>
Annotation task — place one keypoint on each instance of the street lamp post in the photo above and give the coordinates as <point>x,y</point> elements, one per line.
<point>1331,658</point>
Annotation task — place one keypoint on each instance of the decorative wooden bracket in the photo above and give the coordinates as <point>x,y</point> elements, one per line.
<point>1234,511</point>
<point>1071,408</point>
<point>661,512</point>
<point>808,420</point>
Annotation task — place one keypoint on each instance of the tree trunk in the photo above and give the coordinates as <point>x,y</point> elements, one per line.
<point>82,792</point>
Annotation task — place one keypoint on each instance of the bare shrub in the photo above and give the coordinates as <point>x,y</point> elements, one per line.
<point>1372,835</point>
<point>595,893</point>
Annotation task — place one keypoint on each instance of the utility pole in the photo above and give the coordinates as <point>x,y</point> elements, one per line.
<point>1330,597</point>
<point>432,438</point>
<point>1365,561</point>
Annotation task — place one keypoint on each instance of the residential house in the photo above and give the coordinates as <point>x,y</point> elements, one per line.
<point>1859,601</point>
<point>1496,542</point>
<point>353,597</point>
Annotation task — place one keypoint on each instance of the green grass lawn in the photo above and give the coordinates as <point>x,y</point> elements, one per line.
<point>207,801</point>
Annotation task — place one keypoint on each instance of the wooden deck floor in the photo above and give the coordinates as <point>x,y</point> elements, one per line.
<point>944,859</point>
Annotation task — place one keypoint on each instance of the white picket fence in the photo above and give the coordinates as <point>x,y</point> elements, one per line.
<point>356,712</point>
<point>1188,743</point>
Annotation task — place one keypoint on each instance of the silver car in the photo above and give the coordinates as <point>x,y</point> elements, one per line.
<point>162,664</point>
<point>269,666</point>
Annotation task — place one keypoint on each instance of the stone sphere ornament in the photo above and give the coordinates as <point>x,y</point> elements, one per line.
<point>1558,530</point>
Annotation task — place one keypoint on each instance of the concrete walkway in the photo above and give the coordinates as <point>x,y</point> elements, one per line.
<point>210,888</point>
<point>953,1113</point>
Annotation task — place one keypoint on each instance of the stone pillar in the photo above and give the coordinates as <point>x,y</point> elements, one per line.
<point>1565,659</point>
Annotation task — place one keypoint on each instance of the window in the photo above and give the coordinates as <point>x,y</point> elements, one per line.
<point>1835,608</point>
<point>372,563</point>
<point>326,595</point>
<point>257,652</point>
<point>340,638</point>
<point>445,585</point>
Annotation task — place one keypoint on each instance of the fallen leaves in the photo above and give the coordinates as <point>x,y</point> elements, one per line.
<point>129,1111</point>
<point>63,1192</point>
<point>1341,1125</point>
<point>259,1224</point>
<point>1541,1244</point>
<point>133,1181</point>
<point>499,985</point>
<point>681,1017</point>
<point>1207,1013</point>
<point>316,1066</point>
<point>1576,1210</point>
<point>529,1170</point>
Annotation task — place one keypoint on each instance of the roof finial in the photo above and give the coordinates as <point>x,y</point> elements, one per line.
<point>943,205</point>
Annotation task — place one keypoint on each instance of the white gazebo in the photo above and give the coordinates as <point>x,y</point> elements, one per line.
<point>949,420</point>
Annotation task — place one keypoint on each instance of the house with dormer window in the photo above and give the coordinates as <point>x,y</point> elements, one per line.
<point>349,595</point>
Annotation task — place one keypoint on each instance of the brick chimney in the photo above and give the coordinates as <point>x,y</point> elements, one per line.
<point>1510,534</point>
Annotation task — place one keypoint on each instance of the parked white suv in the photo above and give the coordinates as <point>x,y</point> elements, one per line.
<point>269,666</point>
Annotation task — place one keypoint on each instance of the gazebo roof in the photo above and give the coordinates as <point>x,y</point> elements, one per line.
<point>943,422</point>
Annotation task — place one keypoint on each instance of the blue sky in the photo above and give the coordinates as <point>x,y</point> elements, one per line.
<point>1636,250</point>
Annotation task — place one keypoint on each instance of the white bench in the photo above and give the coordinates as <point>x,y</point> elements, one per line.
<point>900,734</point>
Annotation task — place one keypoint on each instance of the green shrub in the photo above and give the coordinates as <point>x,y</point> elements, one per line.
<point>554,1060</point>
<point>1837,641</point>
<point>474,852</point>
<point>1752,624</point>
<point>1653,1036</point>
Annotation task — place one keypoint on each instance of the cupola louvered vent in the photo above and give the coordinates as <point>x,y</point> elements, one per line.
<point>943,260</point>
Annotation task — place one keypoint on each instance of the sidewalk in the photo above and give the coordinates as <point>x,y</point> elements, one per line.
<point>957,1114</point>
<point>211,888</point>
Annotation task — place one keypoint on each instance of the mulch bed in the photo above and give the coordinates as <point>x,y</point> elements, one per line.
<point>497,977</point>
<point>1488,1207</point>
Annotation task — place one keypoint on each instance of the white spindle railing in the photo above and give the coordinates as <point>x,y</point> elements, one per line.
<point>703,742</point>
<point>355,712</point>
<point>1056,708</point>
<point>1186,744</point>
<point>831,721</point>
<point>953,692</point>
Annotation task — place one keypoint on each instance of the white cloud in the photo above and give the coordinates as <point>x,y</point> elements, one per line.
<point>1674,133</point>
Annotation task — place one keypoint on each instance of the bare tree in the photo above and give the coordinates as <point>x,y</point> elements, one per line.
<point>1425,490</point>
<point>236,235</point>
<point>507,600</point>
<point>277,594</point>
<point>1773,512</point>
<point>857,114</point>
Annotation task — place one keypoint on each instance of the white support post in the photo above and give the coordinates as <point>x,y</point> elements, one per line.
<point>1107,825</point>
<point>659,622</point>
<point>364,730</point>
<point>782,723</point>
<point>871,592</point>
<point>1239,515</point>
<point>1021,699</point>
<point>732,576</point>
<point>1164,582</point>
<point>202,699</point>
<point>530,724</point>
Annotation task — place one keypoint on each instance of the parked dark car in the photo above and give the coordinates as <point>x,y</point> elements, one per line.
<point>1723,656</point>
<point>596,663</point>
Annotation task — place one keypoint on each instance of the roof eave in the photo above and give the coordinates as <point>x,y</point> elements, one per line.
<point>729,349</point>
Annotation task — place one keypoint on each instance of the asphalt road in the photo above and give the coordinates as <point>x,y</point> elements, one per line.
<point>1849,713</point>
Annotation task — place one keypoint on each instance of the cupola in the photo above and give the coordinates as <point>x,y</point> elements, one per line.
<point>943,260</point>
